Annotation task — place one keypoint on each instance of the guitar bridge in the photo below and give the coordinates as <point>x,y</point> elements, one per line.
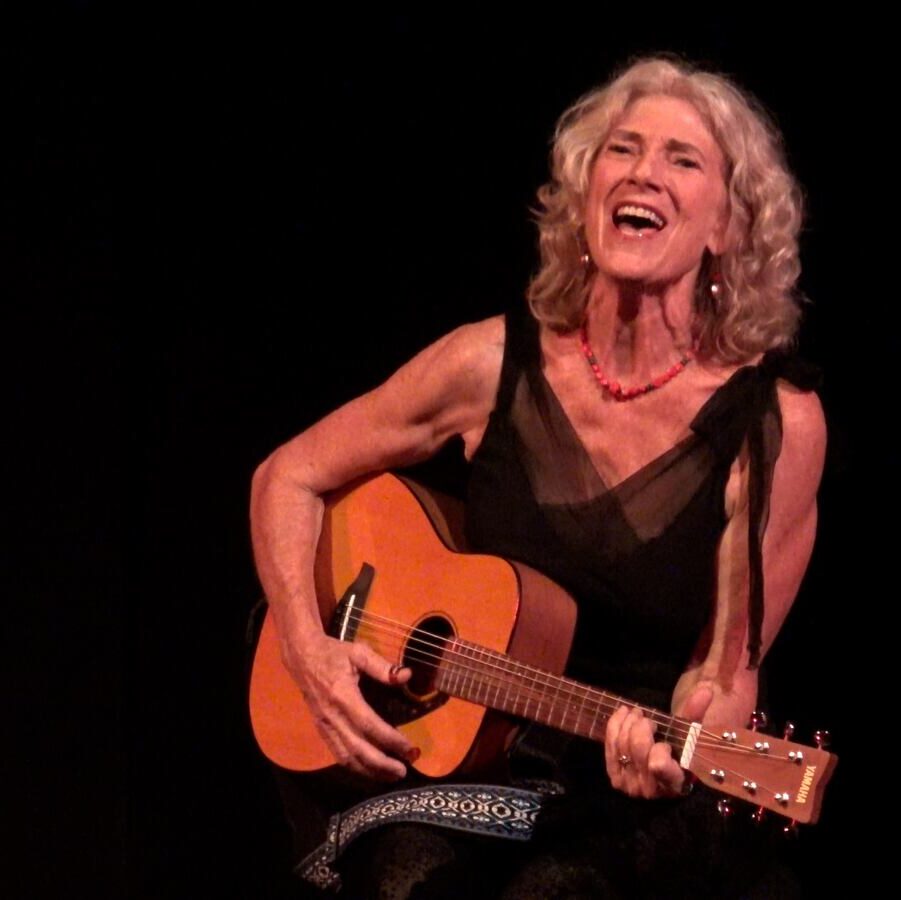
<point>346,618</point>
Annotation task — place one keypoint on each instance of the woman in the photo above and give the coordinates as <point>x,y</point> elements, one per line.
<point>631,437</point>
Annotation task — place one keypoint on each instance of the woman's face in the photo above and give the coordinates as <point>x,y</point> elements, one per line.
<point>657,198</point>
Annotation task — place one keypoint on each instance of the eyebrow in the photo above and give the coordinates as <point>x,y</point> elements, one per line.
<point>672,144</point>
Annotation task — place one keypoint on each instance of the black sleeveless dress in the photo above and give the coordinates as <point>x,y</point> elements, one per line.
<point>638,557</point>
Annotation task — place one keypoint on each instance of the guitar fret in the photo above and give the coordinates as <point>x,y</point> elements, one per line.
<point>475,678</point>
<point>465,685</point>
<point>445,679</point>
<point>463,670</point>
<point>449,673</point>
<point>561,712</point>
<point>510,703</point>
<point>594,720</point>
<point>548,701</point>
<point>459,681</point>
<point>544,697</point>
<point>497,688</point>
<point>478,676</point>
<point>481,687</point>
<point>581,711</point>
<point>525,709</point>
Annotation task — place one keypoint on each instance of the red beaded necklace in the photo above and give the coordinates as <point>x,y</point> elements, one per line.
<point>614,388</point>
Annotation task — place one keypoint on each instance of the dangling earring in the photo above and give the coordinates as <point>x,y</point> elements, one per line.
<point>716,284</point>
<point>585,256</point>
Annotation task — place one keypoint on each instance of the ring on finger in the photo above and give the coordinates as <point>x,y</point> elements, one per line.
<point>624,760</point>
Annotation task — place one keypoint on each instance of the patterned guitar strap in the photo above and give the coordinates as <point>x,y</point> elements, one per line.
<point>505,812</point>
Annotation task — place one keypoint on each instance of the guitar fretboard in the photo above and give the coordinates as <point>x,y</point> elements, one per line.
<point>493,680</point>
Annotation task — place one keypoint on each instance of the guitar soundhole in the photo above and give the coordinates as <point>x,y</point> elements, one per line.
<point>423,653</point>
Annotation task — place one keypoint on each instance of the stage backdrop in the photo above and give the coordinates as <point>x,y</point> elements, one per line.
<point>217,231</point>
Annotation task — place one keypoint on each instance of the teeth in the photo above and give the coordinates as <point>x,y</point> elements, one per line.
<point>641,212</point>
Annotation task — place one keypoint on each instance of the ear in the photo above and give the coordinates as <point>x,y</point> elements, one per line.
<point>722,238</point>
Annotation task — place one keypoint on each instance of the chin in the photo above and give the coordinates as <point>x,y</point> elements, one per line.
<point>633,275</point>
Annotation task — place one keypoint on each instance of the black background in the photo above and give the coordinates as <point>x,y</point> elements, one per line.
<point>215,229</point>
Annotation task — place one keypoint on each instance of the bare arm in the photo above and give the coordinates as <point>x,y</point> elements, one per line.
<point>718,687</point>
<point>447,389</point>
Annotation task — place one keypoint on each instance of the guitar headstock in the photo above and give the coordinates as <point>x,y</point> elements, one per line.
<point>770,772</point>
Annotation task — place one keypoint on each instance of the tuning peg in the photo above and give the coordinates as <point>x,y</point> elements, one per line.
<point>790,829</point>
<point>724,807</point>
<point>758,815</point>
<point>822,739</point>
<point>758,721</point>
<point>788,731</point>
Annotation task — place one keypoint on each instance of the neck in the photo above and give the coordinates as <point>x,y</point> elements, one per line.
<point>636,328</point>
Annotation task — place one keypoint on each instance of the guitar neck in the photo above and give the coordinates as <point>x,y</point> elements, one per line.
<point>775,774</point>
<point>498,682</point>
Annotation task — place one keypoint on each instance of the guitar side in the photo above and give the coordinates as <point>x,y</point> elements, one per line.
<point>410,536</point>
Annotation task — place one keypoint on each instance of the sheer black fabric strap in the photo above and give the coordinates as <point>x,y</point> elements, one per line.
<point>505,812</point>
<point>746,408</point>
<point>521,353</point>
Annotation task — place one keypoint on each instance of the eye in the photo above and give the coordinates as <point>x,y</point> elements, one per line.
<point>687,162</point>
<point>619,148</point>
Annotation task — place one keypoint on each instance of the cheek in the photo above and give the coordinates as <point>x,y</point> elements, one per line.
<point>709,221</point>
<point>593,221</point>
<point>598,188</point>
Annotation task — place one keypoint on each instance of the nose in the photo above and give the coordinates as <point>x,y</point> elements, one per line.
<point>646,170</point>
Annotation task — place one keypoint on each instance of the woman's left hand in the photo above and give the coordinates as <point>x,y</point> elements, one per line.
<point>636,763</point>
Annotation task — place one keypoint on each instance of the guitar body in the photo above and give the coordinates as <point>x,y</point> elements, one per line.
<point>410,537</point>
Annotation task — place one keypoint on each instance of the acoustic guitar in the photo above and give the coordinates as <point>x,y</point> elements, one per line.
<point>487,640</point>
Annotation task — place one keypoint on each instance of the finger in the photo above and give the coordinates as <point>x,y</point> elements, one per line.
<point>376,666</point>
<point>612,740</point>
<point>664,769</point>
<point>332,738</point>
<point>641,739</point>
<point>375,729</point>
<point>635,742</point>
<point>369,760</point>
<point>358,756</point>
<point>357,749</point>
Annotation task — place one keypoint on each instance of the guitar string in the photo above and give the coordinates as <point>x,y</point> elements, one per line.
<point>590,699</point>
<point>587,696</point>
<point>719,744</point>
<point>399,631</point>
<point>712,742</point>
<point>448,648</point>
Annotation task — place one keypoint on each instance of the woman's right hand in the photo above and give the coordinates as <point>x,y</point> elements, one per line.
<point>328,673</point>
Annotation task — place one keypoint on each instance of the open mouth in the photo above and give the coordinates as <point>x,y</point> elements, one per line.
<point>630,218</point>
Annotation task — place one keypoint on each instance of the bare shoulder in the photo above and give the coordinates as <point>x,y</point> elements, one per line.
<point>448,388</point>
<point>475,351</point>
<point>803,433</point>
<point>799,468</point>
<point>462,367</point>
